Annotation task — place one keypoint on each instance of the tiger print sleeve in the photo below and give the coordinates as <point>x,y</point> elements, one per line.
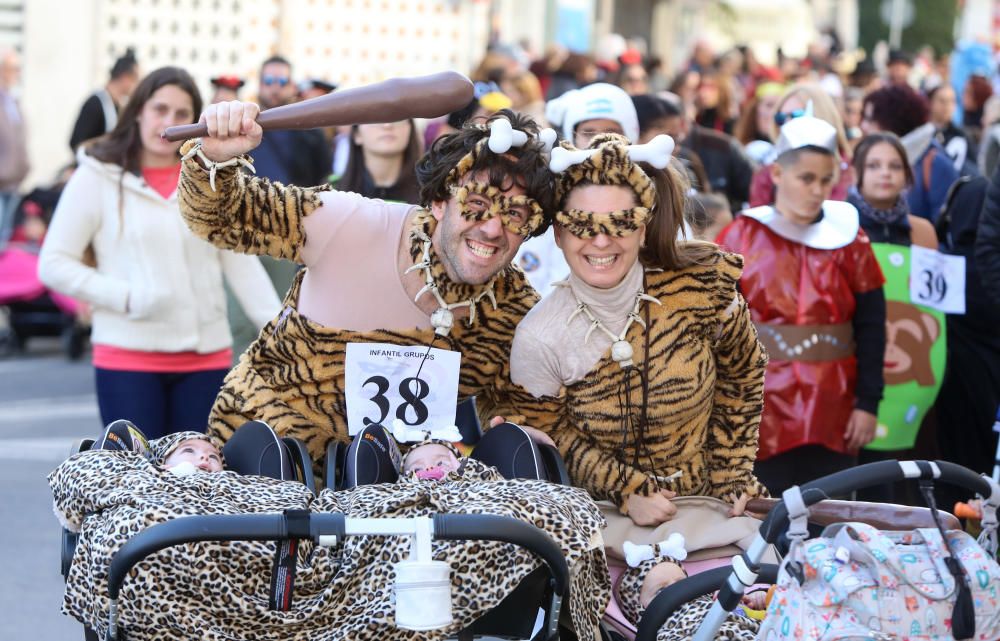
<point>243,213</point>
<point>536,389</point>
<point>596,469</point>
<point>740,361</point>
<point>589,463</point>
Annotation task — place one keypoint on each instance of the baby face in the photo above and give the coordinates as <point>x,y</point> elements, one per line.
<point>198,452</point>
<point>431,461</point>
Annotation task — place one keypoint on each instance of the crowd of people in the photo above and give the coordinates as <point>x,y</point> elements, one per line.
<point>724,260</point>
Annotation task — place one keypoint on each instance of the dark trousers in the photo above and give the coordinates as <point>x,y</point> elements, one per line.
<point>798,466</point>
<point>158,403</point>
<point>967,406</point>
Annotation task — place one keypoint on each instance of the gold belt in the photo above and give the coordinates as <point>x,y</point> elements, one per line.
<point>807,342</point>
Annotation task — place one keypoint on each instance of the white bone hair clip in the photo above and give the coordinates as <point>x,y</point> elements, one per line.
<point>405,434</point>
<point>503,136</point>
<point>656,152</point>
<point>673,547</point>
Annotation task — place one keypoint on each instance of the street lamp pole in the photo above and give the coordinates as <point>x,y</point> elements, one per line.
<point>896,23</point>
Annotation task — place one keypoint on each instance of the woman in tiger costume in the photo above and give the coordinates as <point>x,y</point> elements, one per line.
<point>645,355</point>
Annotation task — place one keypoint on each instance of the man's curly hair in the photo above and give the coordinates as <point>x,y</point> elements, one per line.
<point>526,166</point>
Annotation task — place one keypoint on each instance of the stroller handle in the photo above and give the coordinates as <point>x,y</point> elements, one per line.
<point>275,527</point>
<point>670,598</point>
<point>862,476</point>
<point>216,527</point>
<point>491,527</point>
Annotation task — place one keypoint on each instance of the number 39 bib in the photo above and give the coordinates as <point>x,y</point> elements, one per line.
<point>937,280</point>
<point>384,382</point>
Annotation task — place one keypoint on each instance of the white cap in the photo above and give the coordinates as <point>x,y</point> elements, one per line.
<point>806,131</point>
<point>599,100</point>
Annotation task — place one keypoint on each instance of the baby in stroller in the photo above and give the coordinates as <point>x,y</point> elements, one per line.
<point>342,590</point>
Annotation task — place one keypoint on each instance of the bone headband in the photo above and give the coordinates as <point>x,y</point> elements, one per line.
<point>609,161</point>
<point>501,139</point>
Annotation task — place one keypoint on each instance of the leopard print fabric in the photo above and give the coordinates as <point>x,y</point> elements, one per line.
<point>629,586</point>
<point>587,224</point>
<point>703,408</point>
<point>683,623</point>
<point>292,376</point>
<point>219,591</point>
<point>499,205</point>
<point>608,165</point>
<point>161,448</point>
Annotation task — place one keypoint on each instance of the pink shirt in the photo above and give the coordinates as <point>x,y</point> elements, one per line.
<point>117,358</point>
<point>163,179</point>
<point>352,281</point>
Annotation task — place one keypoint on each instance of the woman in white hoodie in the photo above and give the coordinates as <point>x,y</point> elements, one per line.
<point>161,340</point>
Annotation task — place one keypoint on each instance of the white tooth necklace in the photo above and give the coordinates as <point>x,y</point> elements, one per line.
<point>442,319</point>
<point>621,349</point>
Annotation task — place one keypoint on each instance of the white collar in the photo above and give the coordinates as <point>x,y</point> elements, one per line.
<point>838,227</point>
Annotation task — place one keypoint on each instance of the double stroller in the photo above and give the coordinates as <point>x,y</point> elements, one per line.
<point>532,610</point>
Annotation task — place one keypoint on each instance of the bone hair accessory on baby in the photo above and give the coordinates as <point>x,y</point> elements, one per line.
<point>672,546</point>
<point>405,434</point>
<point>503,136</point>
<point>656,152</point>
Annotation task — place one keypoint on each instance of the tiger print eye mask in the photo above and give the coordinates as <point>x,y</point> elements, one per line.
<point>587,224</point>
<point>478,202</point>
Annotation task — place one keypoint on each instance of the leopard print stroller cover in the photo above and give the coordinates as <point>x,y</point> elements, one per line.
<point>219,591</point>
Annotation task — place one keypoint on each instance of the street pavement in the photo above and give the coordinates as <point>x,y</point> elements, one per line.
<point>46,404</point>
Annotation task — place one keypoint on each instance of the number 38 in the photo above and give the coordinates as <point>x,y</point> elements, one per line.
<point>412,398</point>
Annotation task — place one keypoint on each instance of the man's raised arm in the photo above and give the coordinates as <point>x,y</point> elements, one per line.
<point>227,206</point>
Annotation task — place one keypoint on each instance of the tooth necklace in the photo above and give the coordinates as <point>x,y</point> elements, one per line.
<point>443,319</point>
<point>621,350</point>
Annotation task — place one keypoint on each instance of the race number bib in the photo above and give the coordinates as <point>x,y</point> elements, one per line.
<point>384,382</point>
<point>937,280</point>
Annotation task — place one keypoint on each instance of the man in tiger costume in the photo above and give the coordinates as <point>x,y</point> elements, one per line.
<point>436,275</point>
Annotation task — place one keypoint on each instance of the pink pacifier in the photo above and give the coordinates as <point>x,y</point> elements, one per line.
<point>433,473</point>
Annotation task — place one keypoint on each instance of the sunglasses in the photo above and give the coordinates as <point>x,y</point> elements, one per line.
<point>269,80</point>
<point>781,118</point>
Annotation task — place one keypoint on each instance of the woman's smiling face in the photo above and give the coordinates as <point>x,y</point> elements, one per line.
<point>601,261</point>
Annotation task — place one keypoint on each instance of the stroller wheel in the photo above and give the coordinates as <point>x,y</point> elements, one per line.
<point>11,342</point>
<point>74,341</point>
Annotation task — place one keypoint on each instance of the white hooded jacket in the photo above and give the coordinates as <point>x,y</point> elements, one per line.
<point>148,262</point>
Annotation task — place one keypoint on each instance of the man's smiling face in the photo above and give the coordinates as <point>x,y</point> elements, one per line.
<point>471,251</point>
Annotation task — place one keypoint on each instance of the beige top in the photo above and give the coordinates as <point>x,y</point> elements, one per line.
<point>351,251</point>
<point>548,352</point>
